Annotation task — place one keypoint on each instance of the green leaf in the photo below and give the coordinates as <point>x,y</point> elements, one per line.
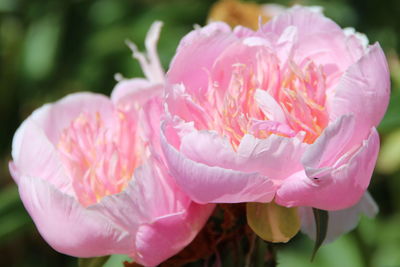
<point>41,44</point>
<point>9,198</point>
<point>14,218</point>
<point>117,260</point>
<point>389,156</point>
<point>14,224</point>
<point>272,222</point>
<point>390,121</point>
<point>92,262</point>
<point>321,225</point>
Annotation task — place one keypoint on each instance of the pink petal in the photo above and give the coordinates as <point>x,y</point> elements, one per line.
<point>318,37</point>
<point>136,90</point>
<point>269,106</point>
<point>45,126</point>
<point>364,91</point>
<point>340,221</point>
<point>160,217</point>
<point>243,32</point>
<point>256,41</point>
<point>13,171</point>
<point>196,54</point>
<point>272,127</point>
<point>330,146</point>
<point>26,162</point>
<point>166,236</point>
<point>152,193</point>
<point>156,73</point>
<point>308,21</point>
<point>252,52</point>
<point>271,156</point>
<point>337,189</point>
<point>268,157</point>
<point>286,44</point>
<point>212,184</point>
<point>219,151</point>
<point>149,61</point>
<point>130,94</point>
<point>181,104</point>
<point>54,118</point>
<point>152,114</point>
<point>357,43</point>
<point>67,226</point>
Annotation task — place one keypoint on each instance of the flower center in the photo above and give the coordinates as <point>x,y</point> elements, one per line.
<point>100,159</point>
<point>302,97</point>
<point>292,99</point>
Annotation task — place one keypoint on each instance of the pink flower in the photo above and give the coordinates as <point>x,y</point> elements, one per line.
<point>286,113</point>
<point>91,173</point>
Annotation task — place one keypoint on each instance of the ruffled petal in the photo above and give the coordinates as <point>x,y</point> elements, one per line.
<point>136,90</point>
<point>167,235</point>
<point>196,54</point>
<point>243,32</point>
<point>329,147</point>
<point>151,194</point>
<point>130,94</point>
<point>67,226</point>
<point>308,20</point>
<point>269,106</point>
<point>54,118</point>
<point>254,56</point>
<point>209,148</point>
<point>151,115</point>
<point>268,156</point>
<point>364,91</point>
<point>276,157</point>
<point>357,43</point>
<point>341,221</point>
<point>212,184</point>
<point>318,37</point>
<point>181,104</point>
<point>337,189</point>
<point>26,162</point>
<point>45,126</point>
<point>152,209</point>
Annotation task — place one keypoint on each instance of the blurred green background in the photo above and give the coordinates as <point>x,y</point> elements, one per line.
<point>51,48</point>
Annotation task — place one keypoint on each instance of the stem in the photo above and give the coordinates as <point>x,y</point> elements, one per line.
<point>261,253</point>
<point>270,256</point>
<point>249,255</point>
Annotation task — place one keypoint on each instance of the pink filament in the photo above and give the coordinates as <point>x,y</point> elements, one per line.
<point>298,89</point>
<point>101,160</point>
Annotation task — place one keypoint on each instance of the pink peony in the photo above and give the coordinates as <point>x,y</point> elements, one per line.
<point>285,113</point>
<point>91,173</point>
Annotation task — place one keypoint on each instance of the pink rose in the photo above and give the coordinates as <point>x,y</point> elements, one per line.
<point>91,173</point>
<point>286,113</point>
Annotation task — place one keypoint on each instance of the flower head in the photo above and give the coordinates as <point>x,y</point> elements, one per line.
<point>91,173</point>
<point>285,112</point>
